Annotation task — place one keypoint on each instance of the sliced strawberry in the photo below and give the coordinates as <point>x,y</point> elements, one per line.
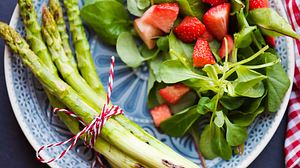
<point>189,29</point>
<point>162,16</point>
<point>202,54</point>
<point>270,40</point>
<point>254,4</point>
<point>222,50</point>
<point>214,2</point>
<point>174,92</point>
<point>147,32</point>
<point>207,36</point>
<point>216,20</point>
<point>160,113</point>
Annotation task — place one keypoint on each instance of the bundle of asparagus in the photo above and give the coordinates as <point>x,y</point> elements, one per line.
<point>122,142</point>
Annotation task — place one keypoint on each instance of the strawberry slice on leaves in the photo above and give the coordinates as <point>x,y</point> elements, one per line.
<point>230,44</point>
<point>254,4</point>
<point>160,113</point>
<point>189,29</point>
<point>174,92</point>
<point>162,16</point>
<point>202,54</point>
<point>147,32</point>
<point>214,2</point>
<point>216,20</point>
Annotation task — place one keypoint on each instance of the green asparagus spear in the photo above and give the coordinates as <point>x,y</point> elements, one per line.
<point>82,47</point>
<point>112,131</point>
<point>70,74</point>
<point>57,13</point>
<point>33,33</point>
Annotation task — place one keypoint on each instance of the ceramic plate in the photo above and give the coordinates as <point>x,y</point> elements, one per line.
<point>41,127</point>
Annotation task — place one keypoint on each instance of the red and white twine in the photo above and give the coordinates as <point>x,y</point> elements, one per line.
<point>93,130</point>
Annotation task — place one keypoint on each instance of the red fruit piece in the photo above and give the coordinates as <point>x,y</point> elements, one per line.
<point>189,29</point>
<point>160,113</point>
<point>214,2</point>
<point>147,32</point>
<point>222,50</point>
<point>270,40</point>
<point>174,92</point>
<point>207,36</point>
<point>202,54</point>
<point>216,20</point>
<point>162,16</point>
<point>254,4</point>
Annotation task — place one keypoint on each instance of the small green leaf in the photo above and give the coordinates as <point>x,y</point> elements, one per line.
<point>206,143</point>
<point>201,107</point>
<point>278,83</point>
<point>249,83</point>
<point>180,123</point>
<point>163,43</point>
<point>231,103</point>
<point>219,119</point>
<point>245,119</point>
<point>211,72</point>
<point>192,8</point>
<point>235,135</point>
<point>214,47</point>
<point>128,51</point>
<point>185,101</point>
<point>243,38</point>
<point>180,51</point>
<point>148,54</point>
<point>132,6</point>
<point>271,23</point>
<point>172,71</point>
<point>151,81</point>
<point>143,4</point>
<point>220,145</point>
<point>236,6</point>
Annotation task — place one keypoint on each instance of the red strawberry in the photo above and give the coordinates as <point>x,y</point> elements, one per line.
<point>202,54</point>
<point>216,20</point>
<point>146,32</point>
<point>162,16</point>
<point>214,2</point>
<point>160,113</point>
<point>270,40</point>
<point>222,50</point>
<point>174,92</point>
<point>207,36</point>
<point>189,29</point>
<point>254,4</point>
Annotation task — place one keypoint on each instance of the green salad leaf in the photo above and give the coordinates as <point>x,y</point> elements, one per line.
<point>107,24</point>
<point>278,83</point>
<point>128,50</point>
<point>206,143</point>
<point>245,119</point>
<point>243,38</point>
<point>180,123</point>
<point>271,23</point>
<point>235,134</point>
<point>220,145</point>
<point>137,7</point>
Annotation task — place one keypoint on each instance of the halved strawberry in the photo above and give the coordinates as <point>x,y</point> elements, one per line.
<point>214,2</point>
<point>216,20</point>
<point>202,54</point>
<point>207,36</point>
<point>189,29</point>
<point>270,40</point>
<point>254,4</point>
<point>162,16</point>
<point>174,92</point>
<point>147,32</point>
<point>222,50</point>
<point>160,113</point>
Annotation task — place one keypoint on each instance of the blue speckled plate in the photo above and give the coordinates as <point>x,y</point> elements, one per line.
<point>32,109</point>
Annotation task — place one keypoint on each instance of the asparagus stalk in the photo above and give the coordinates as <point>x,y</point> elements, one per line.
<point>112,131</point>
<point>82,48</point>
<point>57,13</point>
<point>68,72</point>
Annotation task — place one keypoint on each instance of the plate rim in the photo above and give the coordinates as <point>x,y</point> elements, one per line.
<point>244,163</point>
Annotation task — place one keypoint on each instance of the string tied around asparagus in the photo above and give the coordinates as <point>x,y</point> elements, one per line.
<point>92,130</point>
